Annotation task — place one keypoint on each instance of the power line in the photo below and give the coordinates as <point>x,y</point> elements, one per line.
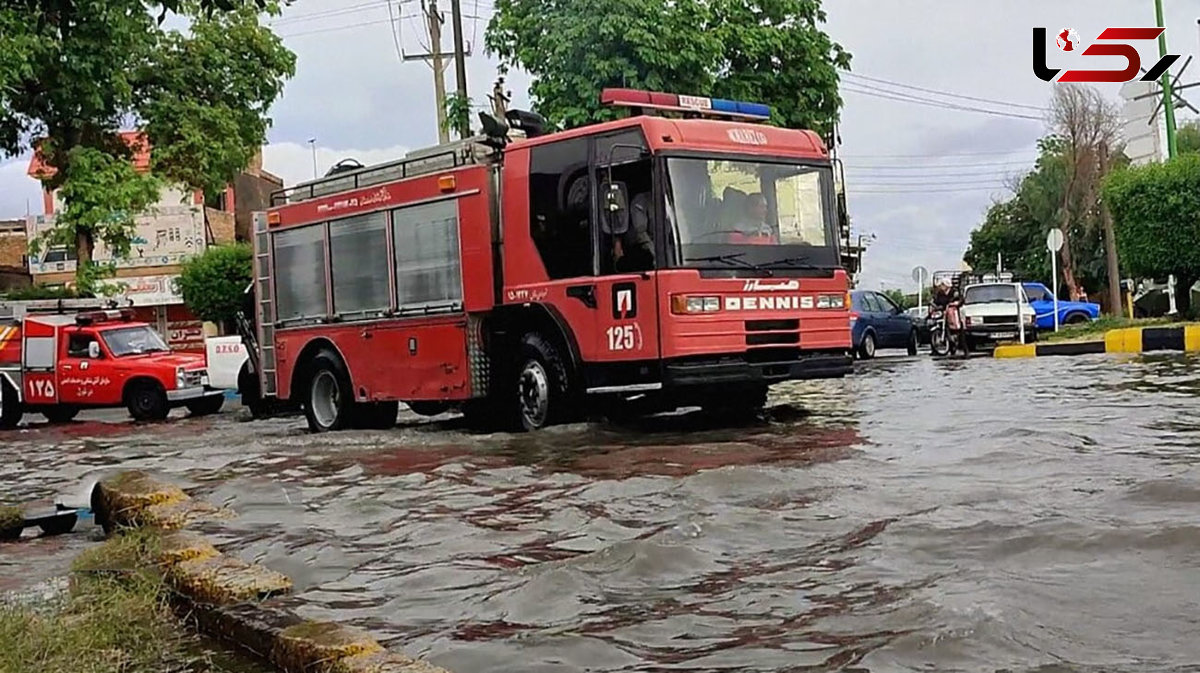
<point>329,13</point>
<point>920,167</point>
<point>948,154</point>
<point>333,29</point>
<point>949,94</point>
<point>924,191</point>
<point>891,95</point>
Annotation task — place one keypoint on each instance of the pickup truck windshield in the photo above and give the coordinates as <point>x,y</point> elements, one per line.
<point>124,341</point>
<point>988,294</point>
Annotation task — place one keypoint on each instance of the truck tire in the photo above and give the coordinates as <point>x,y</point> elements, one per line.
<point>539,387</point>
<point>248,388</point>
<point>147,401</point>
<point>10,407</point>
<point>206,406</point>
<point>429,408</point>
<point>740,404</point>
<point>378,415</point>
<point>63,413</point>
<point>329,402</point>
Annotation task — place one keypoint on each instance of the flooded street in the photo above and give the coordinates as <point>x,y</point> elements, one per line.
<point>920,515</point>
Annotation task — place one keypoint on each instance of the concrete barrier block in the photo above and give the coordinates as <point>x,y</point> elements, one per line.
<point>12,522</point>
<point>321,646</point>
<point>1015,351</point>
<point>1191,338</point>
<point>122,500</point>
<point>179,546</point>
<point>223,579</point>
<point>174,516</point>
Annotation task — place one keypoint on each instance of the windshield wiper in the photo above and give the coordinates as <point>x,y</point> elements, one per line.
<point>797,261</point>
<point>731,258</point>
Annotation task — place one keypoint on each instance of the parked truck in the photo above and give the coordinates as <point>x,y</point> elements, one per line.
<point>525,277</point>
<point>60,356</point>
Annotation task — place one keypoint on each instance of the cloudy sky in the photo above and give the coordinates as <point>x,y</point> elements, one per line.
<point>920,174</point>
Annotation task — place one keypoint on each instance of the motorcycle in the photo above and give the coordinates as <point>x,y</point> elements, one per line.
<point>943,341</point>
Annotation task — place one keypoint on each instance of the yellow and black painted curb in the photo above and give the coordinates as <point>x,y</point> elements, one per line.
<point>1122,340</point>
<point>239,602</point>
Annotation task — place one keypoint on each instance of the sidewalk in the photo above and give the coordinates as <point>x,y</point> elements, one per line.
<point>1183,337</point>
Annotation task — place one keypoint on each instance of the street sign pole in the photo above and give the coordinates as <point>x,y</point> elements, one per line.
<point>918,274</point>
<point>1054,243</point>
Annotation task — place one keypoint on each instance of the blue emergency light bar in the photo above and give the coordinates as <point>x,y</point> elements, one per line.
<point>711,107</point>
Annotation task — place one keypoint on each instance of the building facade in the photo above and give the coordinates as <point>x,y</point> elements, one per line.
<point>180,225</point>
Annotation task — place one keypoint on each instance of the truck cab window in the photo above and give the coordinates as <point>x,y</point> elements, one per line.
<point>560,199</point>
<point>623,158</point>
<point>78,344</point>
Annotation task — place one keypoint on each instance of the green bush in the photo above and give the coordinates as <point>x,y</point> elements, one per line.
<point>1156,212</point>
<point>213,283</point>
<point>39,292</point>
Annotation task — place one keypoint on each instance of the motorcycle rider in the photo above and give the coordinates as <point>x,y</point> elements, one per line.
<point>947,298</point>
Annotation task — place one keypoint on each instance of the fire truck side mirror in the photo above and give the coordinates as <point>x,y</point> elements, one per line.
<point>615,218</point>
<point>93,350</point>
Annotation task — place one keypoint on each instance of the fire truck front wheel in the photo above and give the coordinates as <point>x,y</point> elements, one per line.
<point>329,404</point>
<point>540,389</point>
<point>147,401</point>
<point>10,407</point>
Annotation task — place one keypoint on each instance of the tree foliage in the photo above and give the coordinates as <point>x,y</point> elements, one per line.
<point>1156,212</point>
<point>212,284</point>
<point>771,51</point>
<point>1187,137</point>
<point>73,73</point>
<point>1016,228</point>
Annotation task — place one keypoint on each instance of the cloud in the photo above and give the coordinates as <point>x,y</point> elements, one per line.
<point>18,191</point>
<point>294,161</point>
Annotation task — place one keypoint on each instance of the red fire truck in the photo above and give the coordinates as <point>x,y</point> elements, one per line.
<point>56,359</point>
<point>684,255</point>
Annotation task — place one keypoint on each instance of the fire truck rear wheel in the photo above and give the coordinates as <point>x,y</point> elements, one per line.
<point>378,415</point>
<point>147,401</point>
<point>540,389</point>
<point>10,406</point>
<point>330,401</point>
<point>61,414</point>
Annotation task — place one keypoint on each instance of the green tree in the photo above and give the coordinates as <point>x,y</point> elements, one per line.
<point>1016,228</point>
<point>1156,213</point>
<point>901,299</point>
<point>213,283</point>
<point>1187,137</point>
<point>73,72</point>
<point>770,51</point>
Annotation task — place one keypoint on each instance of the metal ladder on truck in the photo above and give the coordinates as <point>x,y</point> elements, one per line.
<point>17,309</point>
<point>259,335</point>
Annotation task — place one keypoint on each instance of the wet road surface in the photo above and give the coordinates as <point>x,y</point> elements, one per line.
<point>920,515</point>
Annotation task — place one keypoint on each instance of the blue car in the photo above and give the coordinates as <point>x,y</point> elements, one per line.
<point>876,322</point>
<point>1069,312</point>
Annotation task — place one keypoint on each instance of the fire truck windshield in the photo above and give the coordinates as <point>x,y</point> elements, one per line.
<point>749,213</point>
<point>136,340</point>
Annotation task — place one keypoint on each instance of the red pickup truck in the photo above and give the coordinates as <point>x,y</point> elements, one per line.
<point>58,363</point>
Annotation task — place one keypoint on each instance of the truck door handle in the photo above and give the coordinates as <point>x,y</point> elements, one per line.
<point>584,293</point>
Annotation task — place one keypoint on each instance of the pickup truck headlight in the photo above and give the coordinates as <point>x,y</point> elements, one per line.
<point>180,378</point>
<point>1029,318</point>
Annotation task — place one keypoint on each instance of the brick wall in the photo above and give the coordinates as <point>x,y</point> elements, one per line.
<point>253,193</point>
<point>221,225</point>
<point>14,245</point>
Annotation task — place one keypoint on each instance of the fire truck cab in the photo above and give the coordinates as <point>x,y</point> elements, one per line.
<point>58,362</point>
<point>526,277</point>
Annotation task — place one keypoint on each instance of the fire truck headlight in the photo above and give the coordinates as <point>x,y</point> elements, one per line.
<point>180,379</point>
<point>683,304</point>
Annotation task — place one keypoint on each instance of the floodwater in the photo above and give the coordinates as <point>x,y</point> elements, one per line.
<point>1028,515</point>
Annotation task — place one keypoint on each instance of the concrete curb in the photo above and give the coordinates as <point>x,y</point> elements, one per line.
<point>230,598</point>
<point>1123,340</point>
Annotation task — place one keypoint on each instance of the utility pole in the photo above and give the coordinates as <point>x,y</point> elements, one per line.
<point>1110,243</point>
<point>436,58</point>
<point>460,67</point>
<point>1168,100</point>
<point>312,142</point>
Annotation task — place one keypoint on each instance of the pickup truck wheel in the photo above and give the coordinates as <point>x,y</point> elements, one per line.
<point>63,413</point>
<point>330,401</point>
<point>147,401</point>
<point>1076,319</point>
<point>10,407</point>
<point>206,406</point>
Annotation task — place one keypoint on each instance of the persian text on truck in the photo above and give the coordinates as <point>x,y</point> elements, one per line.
<point>526,277</point>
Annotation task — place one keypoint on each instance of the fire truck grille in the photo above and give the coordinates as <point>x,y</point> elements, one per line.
<point>769,339</point>
<point>772,332</point>
<point>772,325</point>
<point>478,356</point>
